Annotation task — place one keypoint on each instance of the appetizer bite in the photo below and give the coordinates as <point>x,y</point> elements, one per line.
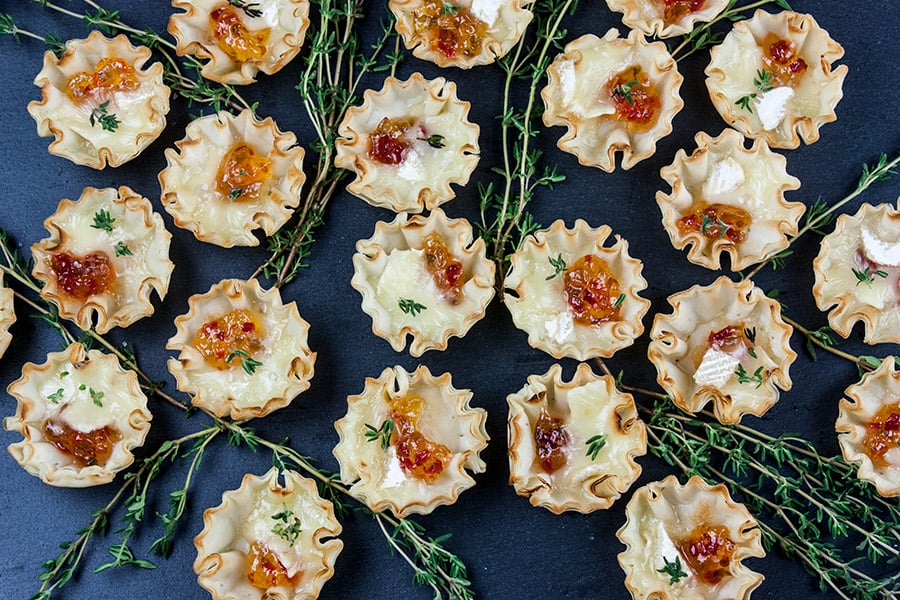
<point>7,316</point>
<point>666,18</point>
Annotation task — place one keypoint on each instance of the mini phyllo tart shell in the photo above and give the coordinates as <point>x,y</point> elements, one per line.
<point>868,427</point>
<point>666,19</point>
<point>407,442</point>
<point>236,42</point>
<point>574,296</point>
<point>613,95</point>
<point>572,444</point>
<point>665,521</point>
<point>106,253</point>
<point>256,183</point>
<point>771,78</point>
<point>81,416</point>
<point>99,104</point>
<point>7,316</point>
<point>728,199</point>
<point>724,343</point>
<point>471,33</point>
<point>857,273</point>
<point>242,353</point>
<point>407,143</point>
<point>268,541</point>
<point>423,277</point>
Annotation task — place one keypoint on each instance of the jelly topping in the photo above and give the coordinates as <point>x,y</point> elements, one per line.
<point>550,440</point>
<point>675,10</point>
<point>731,339</point>
<point>708,552</point>
<point>418,456</point>
<point>265,570</point>
<point>236,332</point>
<point>882,434</point>
<point>112,74</point>
<point>781,61</point>
<point>717,221</point>
<point>451,29</point>
<point>85,448</point>
<point>636,99</point>
<point>234,38</point>
<point>445,270</point>
<point>388,143</point>
<point>592,291</point>
<point>83,276</point>
<point>243,174</point>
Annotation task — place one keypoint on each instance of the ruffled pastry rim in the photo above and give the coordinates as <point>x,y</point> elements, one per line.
<point>189,360</point>
<point>557,237</point>
<point>851,424</point>
<point>7,316</point>
<point>70,476</point>
<point>599,491</point>
<point>243,73</point>
<point>798,126</point>
<point>352,145</point>
<point>397,382</point>
<point>512,11</point>
<point>656,26</point>
<point>845,310</point>
<point>554,115</point>
<point>747,545</point>
<point>397,235</point>
<point>695,241</point>
<point>664,342</point>
<point>270,213</point>
<point>158,102</point>
<point>83,312</point>
<point>208,563</point>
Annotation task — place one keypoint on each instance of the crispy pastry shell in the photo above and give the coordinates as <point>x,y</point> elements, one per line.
<point>648,16</point>
<point>287,362</point>
<point>422,180</point>
<point>576,97</point>
<point>679,346</point>
<point>141,113</point>
<point>588,405</point>
<point>536,300</point>
<point>143,269</point>
<point>376,476</point>
<point>88,391</point>
<point>245,516</point>
<point>7,316</point>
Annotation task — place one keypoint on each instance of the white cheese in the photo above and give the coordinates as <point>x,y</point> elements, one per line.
<point>725,176</point>
<point>771,106</point>
<point>486,10</point>
<point>715,368</point>
<point>411,167</point>
<point>883,253</point>
<point>566,70</point>
<point>395,476</point>
<point>560,328</point>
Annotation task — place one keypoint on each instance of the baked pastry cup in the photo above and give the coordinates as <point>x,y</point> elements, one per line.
<point>106,253</point>
<point>468,34</point>
<point>80,415</point>
<point>725,343</point>
<point>868,427</point>
<point>857,273</point>
<point>237,42</point>
<point>408,441</point>
<point>242,353</point>
<point>7,316</point>
<point>256,183</point>
<point>575,296</point>
<point>407,143</point>
<point>425,277</point>
<point>268,541</point>
<point>572,444</point>
<point>613,95</point>
<point>666,19</point>
<point>728,199</point>
<point>98,102</point>
<point>695,528</point>
<point>771,78</point>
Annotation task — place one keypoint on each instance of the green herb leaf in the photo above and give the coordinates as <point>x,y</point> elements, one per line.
<point>449,9</point>
<point>435,141</point>
<point>744,377</point>
<point>382,434</point>
<point>96,397</point>
<point>619,301</point>
<point>56,396</point>
<point>623,90</point>
<point>122,249</point>
<point>235,193</point>
<point>559,266</point>
<point>251,9</point>
<point>288,526</point>
<point>673,570</point>
<point>103,221</point>
<point>867,275</point>
<point>411,307</point>
<point>248,363</point>
<point>595,444</point>
<point>108,121</point>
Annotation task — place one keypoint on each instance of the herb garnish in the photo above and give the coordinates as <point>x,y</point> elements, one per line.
<point>108,121</point>
<point>411,307</point>
<point>248,363</point>
<point>235,193</point>
<point>56,396</point>
<point>382,434</point>
<point>434,140</point>
<point>122,249</point>
<point>96,397</point>
<point>103,221</point>
<point>763,83</point>
<point>619,301</point>
<point>623,90</point>
<point>449,9</point>
<point>251,9</point>
<point>558,264</point>
<point>867,275</point>
<point>673,570</point>
<point>594,445</point>
<point>744,377</point>
<point>708,226</point>
<point>289,527</point>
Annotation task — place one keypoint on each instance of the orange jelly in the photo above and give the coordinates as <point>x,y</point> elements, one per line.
<point>265,570</point>
<point>443,267</point>
<point>418,456</point>
<point>112,74</point>
<point>730,339</point>
<point>243,174</point>
<point>83,276</point>
<point>781,60</point>
<point>882,434</point>
<point>550,441</point>
<point>708,552</point>
<point>218,339</point>
<point>85,448</point>
<point>388,144</point>
<point>451,29</point>
<point>721,221</point>
<point>234,38</point>
<point>675,10</point>
<point>636,99</point>
<point>591,290</point>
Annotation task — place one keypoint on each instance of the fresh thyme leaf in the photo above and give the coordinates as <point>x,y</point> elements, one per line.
<point>763,80</point>
<point>867,275</point>
<point>103,221</point>
<point>289,527</point>
<point>559,266</point>
<point>382,434</point>
<point>411,307</point>
<point>619,301</point>
<point>750,334</point>
<point>435,141</point>
<point>718,227</point>
<point>673,570</point>
<point>235,193</point>
<point>56,396</point>
<point>595,444</point>
<point>752,352</point>
<point>449,9</point>
<point>623,90</point>
<point>96,397</point>
<point>744,377</point>
<point>82,387</point>
<point>251,9</point>
<point>8,26</point>
<point>122,249</point>
<point>108,121</point>
<point>248,363</point>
